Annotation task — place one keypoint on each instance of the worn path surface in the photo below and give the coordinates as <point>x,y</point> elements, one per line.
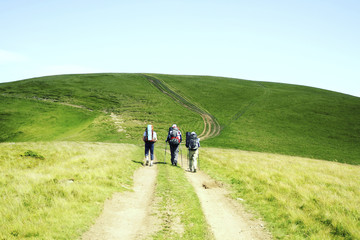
<point>211,125</point>
<point>127,215</point>
<point>226,217</point>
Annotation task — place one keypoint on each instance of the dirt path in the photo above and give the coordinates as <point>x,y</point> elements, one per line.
<point>211,126</point>
<point>127,215</point>
<point>227,218</point>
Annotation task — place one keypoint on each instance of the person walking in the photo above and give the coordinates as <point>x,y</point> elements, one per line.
<point>149,138</point>
<point>174,138</point>
<point>193,144</point>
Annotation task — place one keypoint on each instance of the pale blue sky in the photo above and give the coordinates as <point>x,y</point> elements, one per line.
<point>305,42</point>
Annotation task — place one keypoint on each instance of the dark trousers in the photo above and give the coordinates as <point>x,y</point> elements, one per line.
<point>149,146</point>
<point>174,149</point>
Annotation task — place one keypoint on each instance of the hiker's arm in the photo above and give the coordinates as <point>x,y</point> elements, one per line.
<point>155,137</point>
<point>144,136</point>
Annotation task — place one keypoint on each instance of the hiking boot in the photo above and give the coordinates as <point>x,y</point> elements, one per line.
<point>194,170</point>
<point>151,163</point>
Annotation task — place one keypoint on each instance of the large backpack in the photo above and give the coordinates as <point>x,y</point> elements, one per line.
<point>187,139</point>
<point>174,136</point>
<point>191,140</point>
<point>149,137</point>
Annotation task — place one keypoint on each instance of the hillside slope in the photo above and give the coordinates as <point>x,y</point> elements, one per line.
<point>278,118</point>
<point>99,107</point>
<point>256,116</point>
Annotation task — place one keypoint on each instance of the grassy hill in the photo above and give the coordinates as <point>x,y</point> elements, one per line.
<point>277,118</point>
<point>257,116</point>
<point>65,164</point>
<point>35,109</point>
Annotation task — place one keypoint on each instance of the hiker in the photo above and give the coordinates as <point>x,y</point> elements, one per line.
<point>149,138</point>
<point>193,143</point>
<point>174,138</point>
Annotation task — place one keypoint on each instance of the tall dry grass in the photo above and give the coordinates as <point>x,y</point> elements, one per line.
<point>299,198</point>
<point>58,196</point>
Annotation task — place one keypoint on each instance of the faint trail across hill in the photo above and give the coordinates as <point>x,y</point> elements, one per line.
<point>46,100</point>
<point>242,111</point>
<point>211,125</point>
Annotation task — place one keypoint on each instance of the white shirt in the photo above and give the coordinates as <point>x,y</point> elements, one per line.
<point>154,135</point>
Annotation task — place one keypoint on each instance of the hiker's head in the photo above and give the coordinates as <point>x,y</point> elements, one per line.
<point>174,126</point>
<point>193,133</point>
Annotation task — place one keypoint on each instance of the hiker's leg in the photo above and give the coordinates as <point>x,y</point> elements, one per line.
<point>191,165</point>
<point>176,153</point>
<point>147,148</point>
<point>196,155</point>
<point>152,151</point>
<point>172,153</point>
<point>189,160</point>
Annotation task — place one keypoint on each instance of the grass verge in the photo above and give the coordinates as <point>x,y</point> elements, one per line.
<point>299,198</point>
<point>178,207</point>
<point>57,191</point>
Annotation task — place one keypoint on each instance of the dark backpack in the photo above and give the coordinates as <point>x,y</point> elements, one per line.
<point>174,136</point>
<point>187,139</point>
<point>193,142</point>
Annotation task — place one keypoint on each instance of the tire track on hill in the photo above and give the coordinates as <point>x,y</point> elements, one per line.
<point>211,126</point>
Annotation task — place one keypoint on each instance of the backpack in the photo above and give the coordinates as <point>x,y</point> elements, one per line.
<point>192,141</point>
<point>187,139</point>
<point>174,134</point>
<point>149,137</point>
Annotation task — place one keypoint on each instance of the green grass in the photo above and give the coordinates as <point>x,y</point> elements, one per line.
<point>32,120</point>
<point>129,96</point>
<point>256,116</point>
<point>277,118</point>
<point>55,190</point>
<point>299,198</point>
<point>178,206</point>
